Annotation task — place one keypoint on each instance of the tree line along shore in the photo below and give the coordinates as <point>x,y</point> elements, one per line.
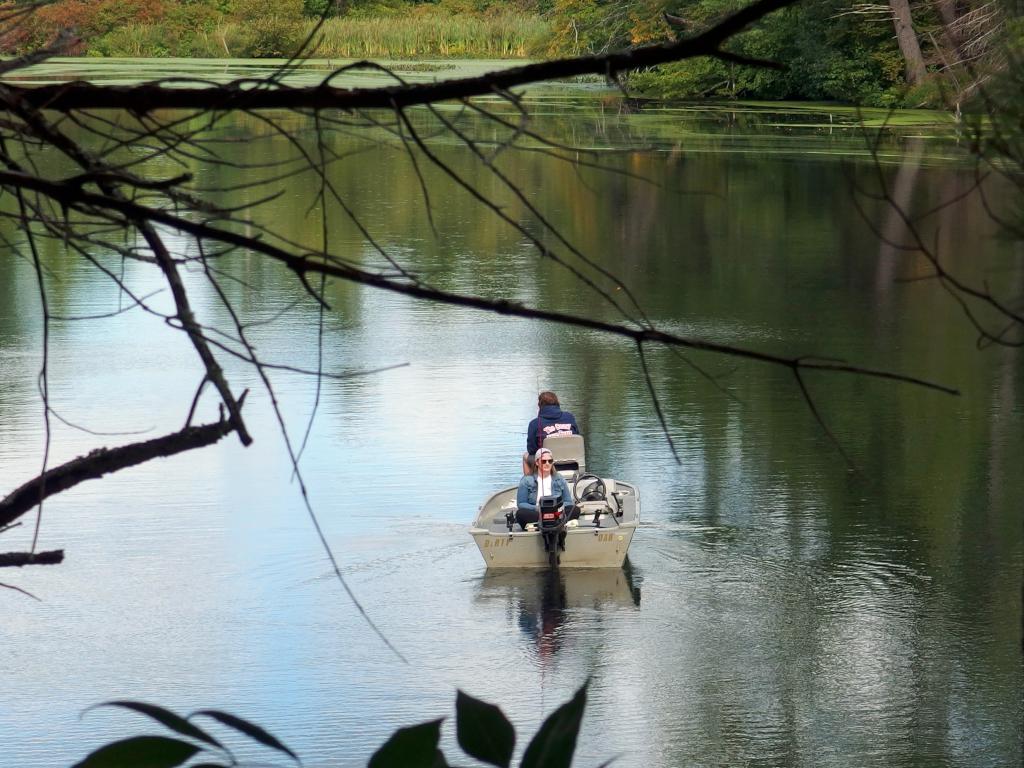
<point>934,53</point>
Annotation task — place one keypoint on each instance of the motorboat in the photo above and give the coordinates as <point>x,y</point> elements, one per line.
<point>609,512</point>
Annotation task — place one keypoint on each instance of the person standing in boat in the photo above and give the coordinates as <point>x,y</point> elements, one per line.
<point>551,421</point>
<point>543,482</point>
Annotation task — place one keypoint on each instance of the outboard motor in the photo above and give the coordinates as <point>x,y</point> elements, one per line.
<point>552,526</point>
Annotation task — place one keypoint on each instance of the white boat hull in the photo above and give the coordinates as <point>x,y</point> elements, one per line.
<point>584,548</point>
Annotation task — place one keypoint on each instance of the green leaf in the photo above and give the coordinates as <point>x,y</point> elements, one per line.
<point>555,742</point>
<point>483,731</point>
<point>165,717</point>
<point>251,730</point>
<point>413,747</point>
<point>141,752</point>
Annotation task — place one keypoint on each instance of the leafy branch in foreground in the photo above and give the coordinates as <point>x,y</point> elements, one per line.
<point>482,730</point>
<point>149,751</point>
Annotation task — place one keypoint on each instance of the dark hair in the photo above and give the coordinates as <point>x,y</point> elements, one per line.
<point>547,398</point>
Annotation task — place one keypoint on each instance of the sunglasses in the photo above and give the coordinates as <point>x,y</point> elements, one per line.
<point>547,461</point>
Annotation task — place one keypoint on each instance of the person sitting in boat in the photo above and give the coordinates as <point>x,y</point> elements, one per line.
<point>545,481</point>
<point>551,421</point>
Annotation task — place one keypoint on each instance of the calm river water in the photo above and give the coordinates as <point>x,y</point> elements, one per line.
<point>778,608</point>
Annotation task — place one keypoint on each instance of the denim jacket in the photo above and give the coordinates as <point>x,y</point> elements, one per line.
<point>526,496</point>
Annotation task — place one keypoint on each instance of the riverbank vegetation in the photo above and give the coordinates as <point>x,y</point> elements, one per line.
<point>934,53</point>
<point>266,29</point>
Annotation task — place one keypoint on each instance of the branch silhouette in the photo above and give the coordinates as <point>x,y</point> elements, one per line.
<point>103,461</point>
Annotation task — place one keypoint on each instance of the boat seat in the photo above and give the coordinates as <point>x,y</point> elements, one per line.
<point>569,453</point>
<point>570,474</point>
<point>568,469</point>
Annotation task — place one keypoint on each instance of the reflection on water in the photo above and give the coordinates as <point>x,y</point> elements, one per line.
<point>546,601</point>
<point>794,613</point>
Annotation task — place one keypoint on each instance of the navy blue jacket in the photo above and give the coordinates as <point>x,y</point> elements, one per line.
<point>553,422</point>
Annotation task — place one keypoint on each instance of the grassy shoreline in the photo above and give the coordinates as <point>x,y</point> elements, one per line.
<point>437,36</point>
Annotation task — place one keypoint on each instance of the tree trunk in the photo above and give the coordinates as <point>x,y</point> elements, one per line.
<point>948,13</point>
<point>951,36</point>
<point>907,39</point>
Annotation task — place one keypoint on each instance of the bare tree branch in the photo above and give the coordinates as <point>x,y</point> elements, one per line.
<point>19,559</point>
<point>103,461</point>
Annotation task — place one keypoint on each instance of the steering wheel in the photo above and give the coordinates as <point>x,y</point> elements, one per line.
<point>595,491</point>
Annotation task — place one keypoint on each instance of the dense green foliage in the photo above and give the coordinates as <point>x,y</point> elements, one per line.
<point>830,50</point>
<point>827,57</point>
